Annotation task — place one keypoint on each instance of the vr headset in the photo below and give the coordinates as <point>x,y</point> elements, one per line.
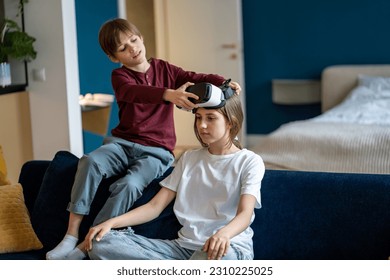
<point>210,96</point>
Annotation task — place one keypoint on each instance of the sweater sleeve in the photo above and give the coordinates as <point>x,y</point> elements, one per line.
<point>190,76</point>
<point>128,89</point>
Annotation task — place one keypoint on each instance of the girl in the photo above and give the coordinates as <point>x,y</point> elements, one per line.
<point>215,188</point>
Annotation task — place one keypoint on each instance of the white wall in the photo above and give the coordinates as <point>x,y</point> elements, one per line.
<point>55,111</point>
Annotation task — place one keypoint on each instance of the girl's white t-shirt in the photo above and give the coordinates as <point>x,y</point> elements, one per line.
<point>208,188</point>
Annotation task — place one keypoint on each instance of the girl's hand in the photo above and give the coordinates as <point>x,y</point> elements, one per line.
<point>216,246</point>
<point>180,97</point>
<point>235,86</point>
<point>97,233</point>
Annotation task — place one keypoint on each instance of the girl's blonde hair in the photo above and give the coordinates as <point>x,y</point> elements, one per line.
<point>233,114</point>
<point>110,31</point>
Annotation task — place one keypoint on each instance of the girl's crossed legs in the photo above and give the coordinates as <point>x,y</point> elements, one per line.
<point>126,245</point>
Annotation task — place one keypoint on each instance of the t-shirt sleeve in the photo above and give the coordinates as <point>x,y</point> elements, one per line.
<point>173,180</point>
<point>253,174</point>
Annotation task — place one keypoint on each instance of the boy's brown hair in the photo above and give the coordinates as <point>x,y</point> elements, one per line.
<point>109,34</point>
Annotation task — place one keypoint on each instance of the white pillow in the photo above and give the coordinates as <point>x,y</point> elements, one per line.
<point>376,83</point>
<point>368,103</point>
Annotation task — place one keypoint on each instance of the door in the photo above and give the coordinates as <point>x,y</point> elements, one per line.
<point>204,36</point>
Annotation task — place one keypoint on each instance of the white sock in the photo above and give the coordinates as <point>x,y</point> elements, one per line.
<point>76,254</point>
<point>63,248</point>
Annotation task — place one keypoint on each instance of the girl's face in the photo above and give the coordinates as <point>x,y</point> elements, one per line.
<point>131,51</point>
<point>212,128</point>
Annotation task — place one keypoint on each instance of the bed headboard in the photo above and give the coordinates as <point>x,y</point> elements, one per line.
<point>337,81</point>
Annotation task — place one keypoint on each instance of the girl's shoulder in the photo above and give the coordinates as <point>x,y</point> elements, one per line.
<point>194,152</point>
<point>248,154</point>
<point>250,158</point>
<point>189,158</point>
<point>203,150</point>
<point>243,155</point>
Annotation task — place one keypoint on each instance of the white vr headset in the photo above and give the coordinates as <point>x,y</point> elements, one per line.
<point>210,96</point>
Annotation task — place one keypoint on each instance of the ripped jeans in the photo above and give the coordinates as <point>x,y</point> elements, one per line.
<point>126,245</point>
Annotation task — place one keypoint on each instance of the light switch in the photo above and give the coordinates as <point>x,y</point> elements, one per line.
<point>39,75</point>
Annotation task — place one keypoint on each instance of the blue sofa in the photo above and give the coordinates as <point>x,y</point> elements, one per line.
<point>305,215</point>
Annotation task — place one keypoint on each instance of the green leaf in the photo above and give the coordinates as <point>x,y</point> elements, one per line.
<point>16,43</point>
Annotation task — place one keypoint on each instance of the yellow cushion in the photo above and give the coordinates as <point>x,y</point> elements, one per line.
<point>3,170</point>
<point>16,231</point>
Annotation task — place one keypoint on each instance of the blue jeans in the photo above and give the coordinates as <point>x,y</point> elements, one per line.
<point>140,165</point>
<point>126,245</point>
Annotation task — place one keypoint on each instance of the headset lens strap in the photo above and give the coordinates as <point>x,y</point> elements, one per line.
<point>225,84</point>
<point>226,89</point>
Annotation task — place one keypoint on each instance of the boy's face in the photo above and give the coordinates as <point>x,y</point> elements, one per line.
<point>131,51</point>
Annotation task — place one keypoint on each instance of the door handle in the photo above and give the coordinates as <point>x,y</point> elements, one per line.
<point>229,46</point>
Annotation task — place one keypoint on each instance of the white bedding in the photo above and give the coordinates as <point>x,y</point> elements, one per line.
<point>368,103</point>
<point>330,147</point>
<point>352,137</point>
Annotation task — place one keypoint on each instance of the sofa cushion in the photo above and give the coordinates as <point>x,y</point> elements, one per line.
<point>319,215</point>
<point>16,232</point>
<point>49,216</point>
<point>31,177</point>
<point>3,170</point>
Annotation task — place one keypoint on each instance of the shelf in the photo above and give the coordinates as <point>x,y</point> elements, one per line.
<point>96,119</point>
<point>12,88</point>
<point>89,108</point>
<point>296,92</point>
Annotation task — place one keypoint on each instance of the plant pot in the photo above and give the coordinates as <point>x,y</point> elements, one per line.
<point>5,74</point>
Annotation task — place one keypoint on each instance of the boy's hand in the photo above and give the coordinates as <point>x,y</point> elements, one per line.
<point>180,97</point>
<point>235,86</point>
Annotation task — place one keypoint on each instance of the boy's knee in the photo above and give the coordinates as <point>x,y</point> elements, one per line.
<point>127,188</point>
<point>86,161</point>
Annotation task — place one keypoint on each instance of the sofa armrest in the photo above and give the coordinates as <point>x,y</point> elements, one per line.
<point>31,176</point>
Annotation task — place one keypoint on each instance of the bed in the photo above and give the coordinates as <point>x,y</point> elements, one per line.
<point>351,135</point>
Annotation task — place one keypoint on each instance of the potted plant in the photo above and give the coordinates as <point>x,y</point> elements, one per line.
<point>15,43</point>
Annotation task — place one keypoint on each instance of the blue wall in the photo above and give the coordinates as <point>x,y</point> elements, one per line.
<point>94,66</point>
<point>286,39</point>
